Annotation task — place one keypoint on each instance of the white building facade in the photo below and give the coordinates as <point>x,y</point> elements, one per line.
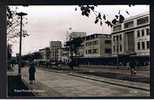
<point>55,50</point>
<point>45,53</point>
<point>132,36</point>
<point>97,45</point>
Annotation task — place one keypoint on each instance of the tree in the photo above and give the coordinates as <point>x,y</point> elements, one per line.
<point>87,10</point>
<point>13,25</point>
<point>73,46</point>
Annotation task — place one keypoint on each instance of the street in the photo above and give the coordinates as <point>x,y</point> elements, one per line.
<point>75,58</point>
<point>62,84</point>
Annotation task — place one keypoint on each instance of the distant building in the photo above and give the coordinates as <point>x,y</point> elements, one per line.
<point>45,53</point>
<point>132,36</point>
<point>77,34</point>
<point>65,55</point>
<point>55,49</point>
<point>97,45</point>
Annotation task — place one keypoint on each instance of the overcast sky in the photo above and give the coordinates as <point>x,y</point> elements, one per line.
<point>48,23</point>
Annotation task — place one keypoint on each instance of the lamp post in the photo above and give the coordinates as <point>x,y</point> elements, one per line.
<point>21,14</point>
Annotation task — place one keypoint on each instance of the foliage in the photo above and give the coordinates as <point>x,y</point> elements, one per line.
<point>87,10</point>
<point>73,45</point>
<point>13,25</point>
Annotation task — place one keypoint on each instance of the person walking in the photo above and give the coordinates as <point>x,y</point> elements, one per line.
<point>32,71</point>
<point>132,67</point>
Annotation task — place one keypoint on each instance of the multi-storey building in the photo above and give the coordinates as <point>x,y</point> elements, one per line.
<point>45,53</point>
<point>55,49</point>
<point>132,37</point>
<point>97,45</point>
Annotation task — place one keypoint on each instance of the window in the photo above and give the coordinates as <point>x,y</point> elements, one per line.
<point>114,38</point>
<point>89,51</point>
<point>107,41</point>
<point>117,37</point>
<point>120,47</point>
<point>86,51</point>
<point>120,37</point>
<point>86,44</point>
<point>138,33</point>
<point>142,32</point>
<point>113,48</point>
<point>129,24</point>
<point>143,45</point>
<point>95,50</point>
<point>117,28</point>
<point>147,31</point>
<point>117,48</point>
<point>108,50</point>
<point>142,20</point>
<point>95,42</point>
<point>138,46</point>
<point>148,44</point>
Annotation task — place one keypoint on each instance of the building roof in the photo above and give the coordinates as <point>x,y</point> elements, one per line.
<point>44,48</point>
<point>137,16</point>
<point>134,17</point>
<point>97,34</point>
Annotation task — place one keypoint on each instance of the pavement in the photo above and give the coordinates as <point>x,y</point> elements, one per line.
<point>51,83</point>
<point>141,70</point>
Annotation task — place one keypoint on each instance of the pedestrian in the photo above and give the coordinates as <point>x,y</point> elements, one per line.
<point>132,67</point>
<point>32,71</point>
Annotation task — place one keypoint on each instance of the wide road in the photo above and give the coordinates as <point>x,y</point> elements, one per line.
<point>71,86</point>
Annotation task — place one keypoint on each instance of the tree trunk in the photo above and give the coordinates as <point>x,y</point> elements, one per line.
<point>71,63</point>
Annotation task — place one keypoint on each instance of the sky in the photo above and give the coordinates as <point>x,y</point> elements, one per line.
<point>50,23</point>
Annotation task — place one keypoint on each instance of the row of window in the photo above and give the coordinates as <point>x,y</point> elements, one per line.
<point>107,41</point>
<point>91,37</point>
<point>143,20</point>
<point>96,42</point>
<point>140,46</point>
<point>117,48</point>
<point>92,43</point>
<point>95,51</point>
<point>141,33</point>
<point>117,28</point>
<point>130,24</point>
<point>143,45</point>
<point>117,38</point>
<point>92,51</point>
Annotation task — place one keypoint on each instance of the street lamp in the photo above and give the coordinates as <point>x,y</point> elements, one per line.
<point>21,14</point>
